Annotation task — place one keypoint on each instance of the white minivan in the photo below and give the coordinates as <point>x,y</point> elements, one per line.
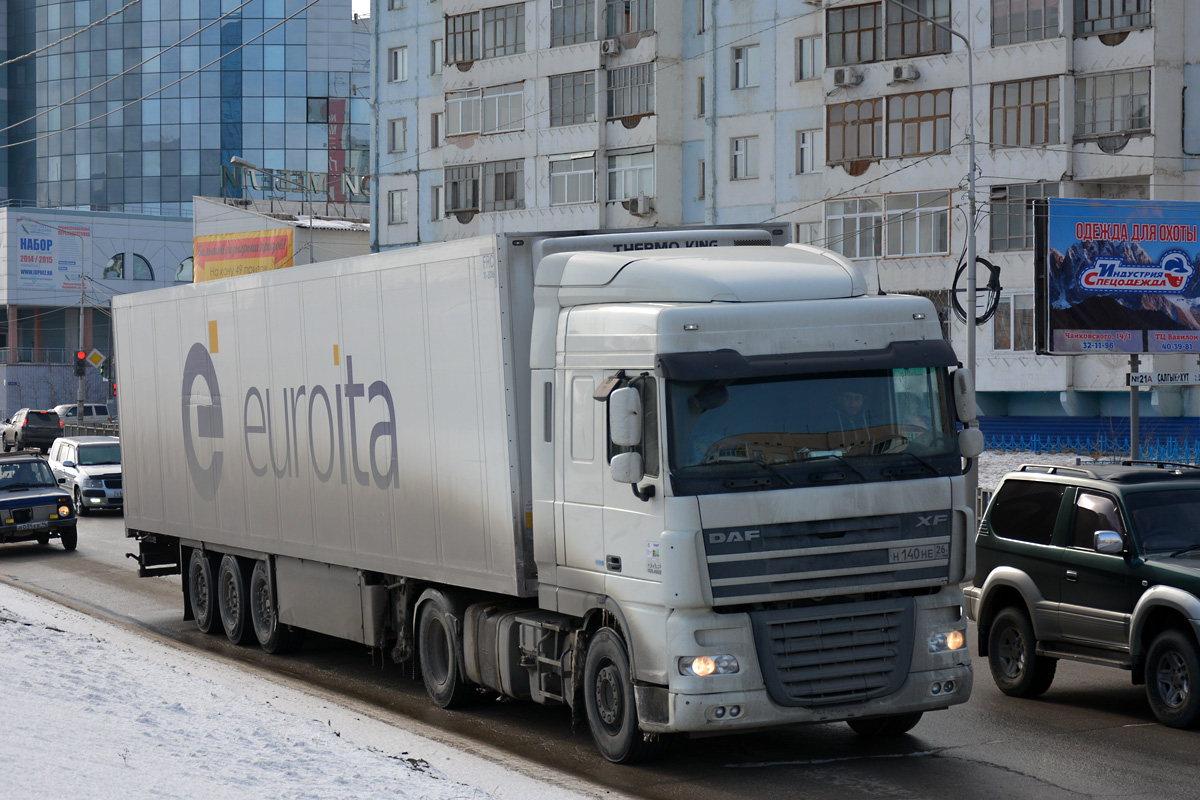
<point>93,413</point>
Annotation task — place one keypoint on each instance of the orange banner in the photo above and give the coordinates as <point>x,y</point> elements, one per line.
<point>226,255</point>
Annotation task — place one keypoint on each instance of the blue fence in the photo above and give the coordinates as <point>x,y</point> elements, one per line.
<point>1162,438</point>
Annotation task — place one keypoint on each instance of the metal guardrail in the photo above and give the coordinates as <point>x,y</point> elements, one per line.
<point>95,429</point>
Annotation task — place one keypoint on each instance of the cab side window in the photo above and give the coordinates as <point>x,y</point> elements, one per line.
<point>1026,510</point>
<point>1094,512</point>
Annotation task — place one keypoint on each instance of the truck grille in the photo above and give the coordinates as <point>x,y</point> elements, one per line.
<point>824,558</point>
<point>834,655</point>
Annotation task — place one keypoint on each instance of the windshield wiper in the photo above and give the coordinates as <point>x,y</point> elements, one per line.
<point>920,459</point>
<point>12,487</point>
<point>771,468</point>
<point>1191,548</point>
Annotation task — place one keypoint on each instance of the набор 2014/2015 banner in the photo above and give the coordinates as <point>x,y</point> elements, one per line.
<point>226,255</point>
<point>1117,276</point>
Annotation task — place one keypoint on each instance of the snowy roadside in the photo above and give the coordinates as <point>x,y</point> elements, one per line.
<point>92,710</point>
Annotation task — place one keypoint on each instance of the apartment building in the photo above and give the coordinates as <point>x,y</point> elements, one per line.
<point>850,122</point>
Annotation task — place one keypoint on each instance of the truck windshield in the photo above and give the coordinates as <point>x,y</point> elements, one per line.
<point>877,424</point>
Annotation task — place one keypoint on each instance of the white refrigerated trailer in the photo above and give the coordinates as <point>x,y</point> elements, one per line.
<point>610,470</point>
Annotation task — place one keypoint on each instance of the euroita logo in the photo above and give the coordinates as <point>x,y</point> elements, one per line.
<point>1171,275</point>
<point>341,432</point>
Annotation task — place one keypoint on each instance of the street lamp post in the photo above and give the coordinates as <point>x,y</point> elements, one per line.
<point>972,207</point>
<point>238,161</point>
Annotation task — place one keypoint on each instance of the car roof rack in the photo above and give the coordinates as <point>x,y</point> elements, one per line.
<point>1125,471</point>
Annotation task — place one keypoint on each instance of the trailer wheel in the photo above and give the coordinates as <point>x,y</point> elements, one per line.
<point>264,618</point>
<point>441,654</point>
<point>233,600</point>
<point>611,708</point>
<point>202,591</point>
<point>69,537</point>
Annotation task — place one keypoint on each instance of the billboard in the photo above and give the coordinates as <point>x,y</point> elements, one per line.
<point>226,255</point>
<point>51,256</point>
<point>1116,276</point>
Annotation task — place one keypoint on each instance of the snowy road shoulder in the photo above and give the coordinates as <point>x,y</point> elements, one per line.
<point>91,709</point>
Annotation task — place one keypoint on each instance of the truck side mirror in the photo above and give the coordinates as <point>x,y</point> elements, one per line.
<point>627,467</point>
<point>964,396</point>
<point>625,417</point>
<point>970,442</point>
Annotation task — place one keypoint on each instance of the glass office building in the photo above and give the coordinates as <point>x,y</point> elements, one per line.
<point>137,109</point>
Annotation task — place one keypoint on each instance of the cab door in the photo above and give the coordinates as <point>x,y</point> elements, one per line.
<point>633,524</point>
<point>583,469</point>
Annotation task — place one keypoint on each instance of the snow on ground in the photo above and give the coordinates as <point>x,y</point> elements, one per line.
<point>993,465</point>
<point>89,709</point>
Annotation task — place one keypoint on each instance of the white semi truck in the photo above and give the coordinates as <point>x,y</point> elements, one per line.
<point>681,480</point>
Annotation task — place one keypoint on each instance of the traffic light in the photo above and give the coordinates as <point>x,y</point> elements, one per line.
<point>114,388</point>
<point>104,369</point>
<point>80,363</point>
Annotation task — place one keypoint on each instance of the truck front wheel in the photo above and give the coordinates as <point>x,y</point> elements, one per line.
<point>611,708</point>
<point>440,653</point>
<point>1172,669</point>
<point>202,591</point>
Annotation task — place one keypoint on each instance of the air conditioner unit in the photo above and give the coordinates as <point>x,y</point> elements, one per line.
<point>640,206</point>
<point>847,76</point>
<point>610,47</point>
<point>906,73</point>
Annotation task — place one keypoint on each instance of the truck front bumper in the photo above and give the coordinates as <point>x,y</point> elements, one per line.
<point>739,711</point>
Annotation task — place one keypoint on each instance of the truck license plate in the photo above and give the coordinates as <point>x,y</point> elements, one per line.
<point>928,552</point>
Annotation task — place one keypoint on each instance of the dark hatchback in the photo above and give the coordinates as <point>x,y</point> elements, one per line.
<point>33,507</point>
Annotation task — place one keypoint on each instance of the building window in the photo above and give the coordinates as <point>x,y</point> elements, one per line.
<point>397,135</point>
<point>504,30</point>
<point>504,108</point>
<point>318,110</point>
<point>702,172</point>
<point>462,112</point>
<point>745,67</point>
<point>397,206</point>
<point>853,227</point>
<point>918,224</point>
<point>628,16</point>
<point>700,104</point>
<point>743,158</point>
<point>630,175</point>
<point>437,204</point>
<point>437,124</point>
<point>571,22</point>
<point>504,185</point>
<point>437,56</point>
<point>572,99</point>
<point>856,131</point>
<point>396,5</point>
<point>1102,16</point>
<point>1113,103</point>
<point>631,91</point>
<point>398,64</point>
<point>918,123</point>
<point>853,34</point>
<point>462,188</point>
<point>462,38</point>
<point>1012,326</point>
<point>1016,21</point>
<point>909,35</point>
<point>1025,112</point>
<point>808,155</point>
<point>572,179</point>
<point>1012,214</point>
<point>808,233</point>
<point>808,58</point>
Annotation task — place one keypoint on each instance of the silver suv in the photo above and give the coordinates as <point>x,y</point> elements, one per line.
<point>89,467</point>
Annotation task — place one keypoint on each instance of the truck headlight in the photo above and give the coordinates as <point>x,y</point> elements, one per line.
<point>702,666</point>
<point>946,640</point>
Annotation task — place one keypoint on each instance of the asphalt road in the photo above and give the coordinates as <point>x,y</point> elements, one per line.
<point>1091,735</point>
